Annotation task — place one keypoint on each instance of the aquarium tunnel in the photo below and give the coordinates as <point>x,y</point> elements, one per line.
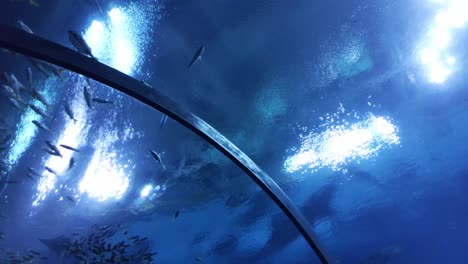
<point>269,131</point>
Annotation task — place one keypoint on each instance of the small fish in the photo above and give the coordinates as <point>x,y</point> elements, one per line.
<point>102,101</point>
<point>39,65</point>
<point>53,153</point>
<point>198,259</point>
<point>87,97</point>
<point>30,176</point>
<point>38,96</point>
<point>40,112</point>
<point>196,56</point>
<point>163,121</point>
<point>14,83</point>
<point>33,171</point>
<point>24,27</point>
<point>71,164</point>
<point>50,170</point>
<point>42,126</point>
<point>69,113</point>
<point>79,43</point>
<point>29,78</point>
<point>9,91</point>
<point>125,232</point>
<point>14,103</point>
<point>53,147</point>
<point>157,157</point>
<point>54,70</point>
<point>69,148</point>
<point>71,199</point>
<point>176,214</point>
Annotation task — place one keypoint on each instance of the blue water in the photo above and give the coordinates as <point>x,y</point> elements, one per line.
<point>356,109</point>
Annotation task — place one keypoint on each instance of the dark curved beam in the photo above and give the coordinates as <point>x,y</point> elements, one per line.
<point>34,46</point>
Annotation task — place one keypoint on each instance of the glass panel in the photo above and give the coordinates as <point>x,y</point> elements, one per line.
<point>94,176</point>
<point>355,109</point>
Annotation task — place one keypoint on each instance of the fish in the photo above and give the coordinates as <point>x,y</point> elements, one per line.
<point>79,43</point>
<point>14,83</point>
<point>53,147</point>
<point>30,176</point>
<point>40,112</point>
<point>38,96</point>
<point>71,164</point>
<point>50,170</point>
<point>102,101</point>
<point>39,65</point>
<point>69,148</point>
<point>87,97</point>
<point>14,103</point>
<point>163,121</point>
<point>54,70</point>
<point>25,27</point>
<point>196,56</point>
<point>9,91</point>
<point>198,259</point>
<point>69,112</point>
<point>42,126</point>
<point>53,153</point>
<point>176,214</point>
<point>33,171</point>
<point>71,199</point>
<point>29,78</point>
<point>157,157</point>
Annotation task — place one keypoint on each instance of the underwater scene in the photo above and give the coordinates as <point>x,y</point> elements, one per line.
<point>261,131</point>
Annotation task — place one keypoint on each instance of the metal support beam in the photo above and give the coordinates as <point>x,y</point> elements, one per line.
<point>31,45</point>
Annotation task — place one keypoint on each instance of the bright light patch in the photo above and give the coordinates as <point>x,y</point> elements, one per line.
<point>120,41</point>
<point>146,191</point>
<point>338,145</point>
<point>104,178</point>
<point>72,135</point>
<point>438,64</point>
<point>96,37</point>
<point>26,132</point>
<point>25,129</point>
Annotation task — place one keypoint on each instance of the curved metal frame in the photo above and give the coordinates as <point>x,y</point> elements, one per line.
<point>34,46</point>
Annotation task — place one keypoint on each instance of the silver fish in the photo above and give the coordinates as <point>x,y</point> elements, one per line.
<point>102,101</point>
<point>79,43</point>
<point>69,113</point>
<point>157,157</point>
<point>53,147</point>
<point>40,112</point>
<point>196,56</point>
<point>163,121</point>
<point>50,170</point>
<point>69,148</point>
<point>25,27</point>
<point>87,97</point>
<point>42,126</point>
